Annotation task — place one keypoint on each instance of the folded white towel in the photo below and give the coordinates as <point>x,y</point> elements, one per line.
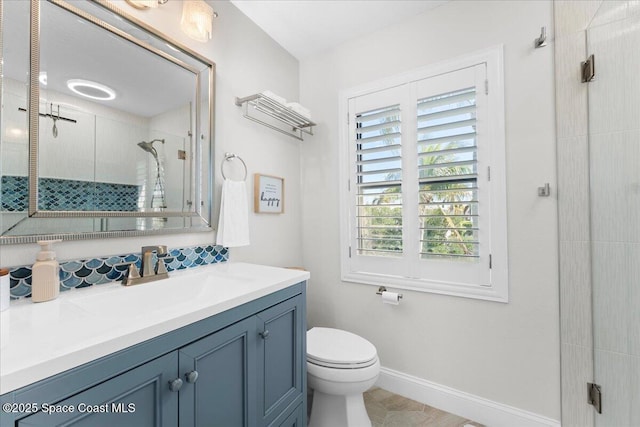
<point>275,97</point>
<point>303,111</point>
<point>233,224</point>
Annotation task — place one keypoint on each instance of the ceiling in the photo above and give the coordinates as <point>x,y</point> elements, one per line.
<point>306,27</point>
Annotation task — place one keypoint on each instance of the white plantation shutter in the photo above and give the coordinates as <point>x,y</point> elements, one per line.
<point>423,213</point>
<point>448,175</point>
<point>378,186</point>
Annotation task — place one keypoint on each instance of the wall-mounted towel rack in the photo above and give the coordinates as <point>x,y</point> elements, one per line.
<point>263,104</point>
<point>229,157</point>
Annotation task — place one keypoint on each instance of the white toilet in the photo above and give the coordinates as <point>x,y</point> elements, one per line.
<point>340,367</point>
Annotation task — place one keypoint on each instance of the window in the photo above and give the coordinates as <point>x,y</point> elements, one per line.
<point>424,202</point>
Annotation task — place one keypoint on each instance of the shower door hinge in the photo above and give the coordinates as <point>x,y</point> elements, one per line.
<point>595,396</point>
<point>490,262</point>
<point>182,155</point>
<point>349,251</point>
<point>588,69</point>
<point>486,87</point>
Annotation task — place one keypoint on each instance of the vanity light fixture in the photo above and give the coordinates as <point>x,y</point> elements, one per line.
<point>90,89</point>
<point>197,19</point>
<point>145,4</point>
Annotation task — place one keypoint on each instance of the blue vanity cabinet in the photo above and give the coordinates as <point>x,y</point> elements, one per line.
<point>138,398</point>
<point>297,418</point>
<point>243,367</point>
<point>248,374</point>
<point>222,386</point>
<point>281,343</point>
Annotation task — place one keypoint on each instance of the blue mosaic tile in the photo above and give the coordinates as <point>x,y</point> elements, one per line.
<point>70,282</point>
<point>132,258</point>
<point>71,266</point>
<point>112,261</point>
<point>94,271</point>
<point>65,194</point>
<point>21,273</point>
<point>104,268</point>
<point>94,263</point>
<point>21,290</point>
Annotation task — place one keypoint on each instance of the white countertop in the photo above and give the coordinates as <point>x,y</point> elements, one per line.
<point>38,340</point>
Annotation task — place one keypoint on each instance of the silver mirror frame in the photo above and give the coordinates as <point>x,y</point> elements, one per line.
<point>202,200</point>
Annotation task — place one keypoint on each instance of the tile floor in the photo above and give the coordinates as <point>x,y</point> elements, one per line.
<point>391,410</point>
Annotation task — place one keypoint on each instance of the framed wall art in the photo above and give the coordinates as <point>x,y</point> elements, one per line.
<point>268,194</point>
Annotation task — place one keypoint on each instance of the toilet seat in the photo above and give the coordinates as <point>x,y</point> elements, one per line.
<point>338,349</point>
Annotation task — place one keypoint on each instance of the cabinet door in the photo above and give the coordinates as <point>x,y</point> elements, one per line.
<point>280,358</point>
<point>224,392</point>
<point>137,398</point>
<point>296,419</point>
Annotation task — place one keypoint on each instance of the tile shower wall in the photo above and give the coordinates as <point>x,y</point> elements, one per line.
<point>68,195</point>
<point>614,144</point>
<point>598,154</point>
<point>95,271</point>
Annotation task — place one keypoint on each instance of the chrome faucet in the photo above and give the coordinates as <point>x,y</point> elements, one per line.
<point>148,272</point>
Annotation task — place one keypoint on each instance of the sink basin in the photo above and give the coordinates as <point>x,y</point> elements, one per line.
<point>184,289</point>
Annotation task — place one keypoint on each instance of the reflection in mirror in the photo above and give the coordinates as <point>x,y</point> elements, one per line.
<point>14,155</point>
<point>113,148</point>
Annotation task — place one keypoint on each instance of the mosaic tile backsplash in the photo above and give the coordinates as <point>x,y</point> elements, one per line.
<point>68,195</point>
<point>94,271</point>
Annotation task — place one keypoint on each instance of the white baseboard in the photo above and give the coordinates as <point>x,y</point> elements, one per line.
<point>487,412</point>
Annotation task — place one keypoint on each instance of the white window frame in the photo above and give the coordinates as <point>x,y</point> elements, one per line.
<point>411,273</point>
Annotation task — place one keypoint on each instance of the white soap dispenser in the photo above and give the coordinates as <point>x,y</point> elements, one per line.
<point>45,275</point>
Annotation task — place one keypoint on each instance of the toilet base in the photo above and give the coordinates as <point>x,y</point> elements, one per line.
<point>329,410</point>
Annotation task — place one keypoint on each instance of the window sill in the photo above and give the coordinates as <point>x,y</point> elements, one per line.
<point>486,293</point>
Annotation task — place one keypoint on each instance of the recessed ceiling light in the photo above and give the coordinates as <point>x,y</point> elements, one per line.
<point>42,78</point>
<point>91,89</point>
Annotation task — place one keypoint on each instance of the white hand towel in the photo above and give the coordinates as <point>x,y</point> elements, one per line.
<point>275,97</point>
<point>233,224</point>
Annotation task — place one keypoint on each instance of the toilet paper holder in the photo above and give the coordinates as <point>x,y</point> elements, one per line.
<point>382,289</point>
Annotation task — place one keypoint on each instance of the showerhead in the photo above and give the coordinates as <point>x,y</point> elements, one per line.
<point>148,147</point>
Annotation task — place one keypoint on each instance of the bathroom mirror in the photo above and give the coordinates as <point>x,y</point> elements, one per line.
<point>106,125</point>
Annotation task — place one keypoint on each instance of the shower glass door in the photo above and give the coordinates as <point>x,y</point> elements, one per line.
<point>613,37</point>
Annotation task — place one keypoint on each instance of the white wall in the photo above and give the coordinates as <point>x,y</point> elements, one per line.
<point>507,353</point>
<point>247,62</point>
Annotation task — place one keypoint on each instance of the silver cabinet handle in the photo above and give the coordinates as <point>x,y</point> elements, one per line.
<point>191,377</point>
<point>175,385</point>
<point>264,334</point>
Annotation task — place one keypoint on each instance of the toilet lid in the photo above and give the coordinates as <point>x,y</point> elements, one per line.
<point>331,347</point>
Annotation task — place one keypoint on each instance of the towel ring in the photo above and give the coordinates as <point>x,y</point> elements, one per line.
<point>227,158</point>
